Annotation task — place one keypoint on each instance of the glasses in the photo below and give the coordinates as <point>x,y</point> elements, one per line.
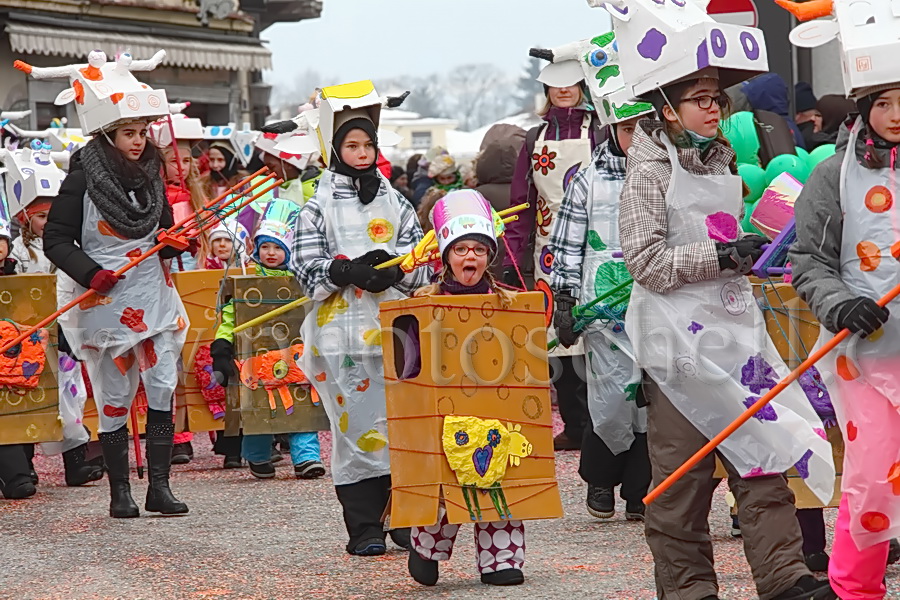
<point>705,102</point>
<point>464,250</point>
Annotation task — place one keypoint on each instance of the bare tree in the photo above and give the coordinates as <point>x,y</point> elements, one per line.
<point>288,96</point>
<point>477,94</point>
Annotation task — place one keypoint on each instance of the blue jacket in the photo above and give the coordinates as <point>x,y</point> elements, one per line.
<point>769,92</point>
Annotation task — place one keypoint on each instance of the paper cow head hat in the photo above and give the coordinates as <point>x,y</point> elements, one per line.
<point>598,60</point>
<point>464,213</point>
<point>341,103</point>
<point>184,127</point>
<point>869,35</point>
<point>106,93</point>
<point>294,147</point>
<point>664,41</point>
<point>31,174</point>
<point>240,140</point>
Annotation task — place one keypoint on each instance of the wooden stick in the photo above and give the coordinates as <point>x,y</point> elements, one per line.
<point>757,406</point>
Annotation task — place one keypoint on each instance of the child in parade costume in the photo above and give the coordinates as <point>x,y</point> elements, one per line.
<point>15,471</point>
<point>228,241</point>
<point>466,254</point>
<point>584,239</point>
<point>271,252</point>
<point>552,153</point>
<point>355,222</point>
<point>32,172</point>
<point>445,173</point>
<point>223,169</point>
<point>679,226</point>
<point>842,264</point>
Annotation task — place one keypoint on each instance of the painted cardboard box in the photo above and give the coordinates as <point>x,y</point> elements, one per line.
<point>266,353</point>
<point>29,413</point>
<point>468,386</point>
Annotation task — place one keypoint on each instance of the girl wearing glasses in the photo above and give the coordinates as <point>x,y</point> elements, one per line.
<point>846,228</point>
<point>696,332</point>
<point>468,244</point>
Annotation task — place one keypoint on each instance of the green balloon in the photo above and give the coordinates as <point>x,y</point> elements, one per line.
<point>821,153</point>
<point>740,130</point>
<point>804,156</point>
<point>755,179</point>
<point>787,163</point>
<point>745,223</point>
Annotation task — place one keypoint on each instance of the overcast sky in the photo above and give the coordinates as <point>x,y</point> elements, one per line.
<point>368,39</point>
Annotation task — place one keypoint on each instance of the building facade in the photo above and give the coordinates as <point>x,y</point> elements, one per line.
<point>215,57</point>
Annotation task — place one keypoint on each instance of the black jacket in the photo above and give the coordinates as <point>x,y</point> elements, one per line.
<point>62,234</point>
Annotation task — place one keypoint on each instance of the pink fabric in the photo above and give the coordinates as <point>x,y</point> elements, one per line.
<point>499,545</point>
<point>855,574</point>
<point>183,437</point>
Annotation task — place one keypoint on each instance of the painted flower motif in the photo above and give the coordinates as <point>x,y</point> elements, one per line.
<point>766,413</point>
<point>493,438</point>
<point>758,375</point>
<point>544,216</point>
<point>133,319</point>
<point>543,161</point>
<point>695,327</point>
<point>461,437</point>
<point>380,231</point>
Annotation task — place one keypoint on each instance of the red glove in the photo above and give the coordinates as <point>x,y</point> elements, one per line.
<point>104,280</point>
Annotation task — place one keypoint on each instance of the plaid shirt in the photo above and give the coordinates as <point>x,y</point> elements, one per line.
<point>311,255</point>
<point>643,223</point>
<point>569,235</point>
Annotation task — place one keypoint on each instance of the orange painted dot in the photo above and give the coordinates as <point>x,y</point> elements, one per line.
<point>875,522</point>
<point>879,199</point>
<point>846,369</point>
<point>852,431</point>
<point>340,399</point>
<point>894,478</point>
<point>869,256</point>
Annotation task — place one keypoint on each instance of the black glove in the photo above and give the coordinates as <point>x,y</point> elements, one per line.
<point>861,315</point>
<point>511,278</point>
<point>345,272</point>
<point>373,258</point>
<point>741,254</point>
<point>564,320</point>
<point>222,353</point>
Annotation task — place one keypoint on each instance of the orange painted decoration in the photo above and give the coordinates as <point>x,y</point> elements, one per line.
<point>275,370</point>
<point>363,386</point>
<point>875,522</point>
<point>869,256</point>
<point>124,362</point>
<point>117,97</point>
<point>23,66</point>
<point>894,478</point>
<point>321,376</point>
<point>147,358</point>
<point>806,11</point>
<point>21,366</point>
<point>852,431</point>
<point>79,92</point>
<point>107,230</point>
<point>92,73</point>
<point>846,368</point>
<point>133,319</point>
<point>134,253</point>
<point>95,300</point>
<point>879,199</point>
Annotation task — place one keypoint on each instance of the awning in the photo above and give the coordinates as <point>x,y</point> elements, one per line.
<point>199,54</point>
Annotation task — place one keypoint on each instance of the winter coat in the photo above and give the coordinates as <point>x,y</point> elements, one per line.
<point>769,92</point>
<point>816,256</point>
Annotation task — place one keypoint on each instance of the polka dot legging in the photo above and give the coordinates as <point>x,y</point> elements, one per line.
<point>499,545</point>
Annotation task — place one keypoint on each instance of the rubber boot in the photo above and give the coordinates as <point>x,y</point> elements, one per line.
<point>159,462</point>
<point>78,470</point>
<point>15,480</point>
<point>115,454</point>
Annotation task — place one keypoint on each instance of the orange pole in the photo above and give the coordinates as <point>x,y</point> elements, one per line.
<point>152,251</point>
<point>759,404</point>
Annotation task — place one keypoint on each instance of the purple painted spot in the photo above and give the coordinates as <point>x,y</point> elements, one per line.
<point>718,43</point>
<point>702,55</point>
<point>758,375</point>
<point>213,382</point>
<point>289,410</point>
<point>652,45</point>
<point>546,260</point>
<point>67,363</point>
<point>481,458</point>
<point>802,465</point>
<point>30,368</point>
<point>73,390</point>
<point>618,328</point>
<point>750,45</point>
<point>679,3</point>
<point>766,413</point>
<point>17,190</point>
<point>570,174</point>
<point>722,227</point>
<point>695,327</point>
<point>817,393</point>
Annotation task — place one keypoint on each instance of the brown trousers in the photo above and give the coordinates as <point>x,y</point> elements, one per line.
<point>677,523</point>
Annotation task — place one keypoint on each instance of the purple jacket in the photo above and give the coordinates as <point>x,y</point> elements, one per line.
<point>564,124</point>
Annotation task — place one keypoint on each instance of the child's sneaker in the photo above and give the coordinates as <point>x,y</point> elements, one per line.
<point>423,570</point>
<point>264,470</point>
<point>232,462</point>
<point>634,511</point>
<point>309,469</point>
<point>735,527</point>
<point>600,502</point>
<point>182,453</point>
<point>504,577</point>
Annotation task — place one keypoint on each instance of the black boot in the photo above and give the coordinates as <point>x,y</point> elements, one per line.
<point>78,470</point>
<point>159,461</point>
<point>15,480</point>
<point>115,455</point>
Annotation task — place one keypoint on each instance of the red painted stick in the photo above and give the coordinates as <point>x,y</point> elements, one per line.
<point>759,404</point>
<point>139,460</point>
